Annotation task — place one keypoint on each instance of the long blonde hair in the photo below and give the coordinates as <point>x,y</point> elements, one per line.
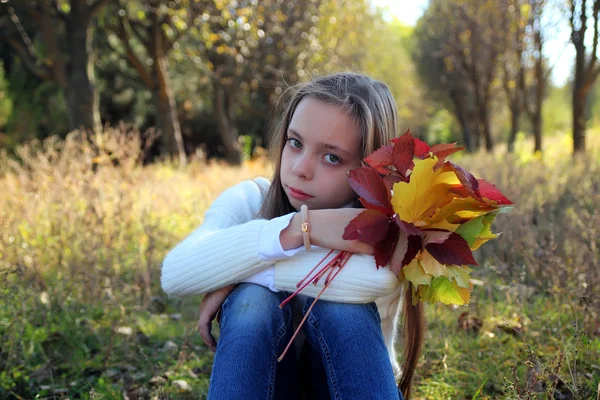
<point>372,105</point>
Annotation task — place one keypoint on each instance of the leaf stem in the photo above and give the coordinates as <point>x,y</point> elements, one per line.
<point>309,310</point>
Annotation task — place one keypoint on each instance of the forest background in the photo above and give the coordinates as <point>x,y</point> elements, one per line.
<point>121,121</point>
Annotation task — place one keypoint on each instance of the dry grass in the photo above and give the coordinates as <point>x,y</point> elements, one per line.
<point>84,227</point>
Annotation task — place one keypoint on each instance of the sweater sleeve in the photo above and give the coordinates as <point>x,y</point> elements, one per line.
<point>359,282</point>
<point>224,249</point>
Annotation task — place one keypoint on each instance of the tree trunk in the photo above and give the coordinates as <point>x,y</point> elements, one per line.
<point>580,93</point>
<point>227,129</point>
<point>579,118</point>
<point>167,120</point>
<point>484,121</point>
<point>539,90</point>
<point>80,91</point>
<point>514,128</point>
<point>461,113</point>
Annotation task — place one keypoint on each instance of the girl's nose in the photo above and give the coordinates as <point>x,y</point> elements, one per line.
<point>303,167</point>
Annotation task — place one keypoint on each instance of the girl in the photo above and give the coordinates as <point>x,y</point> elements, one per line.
<point>251,236</point>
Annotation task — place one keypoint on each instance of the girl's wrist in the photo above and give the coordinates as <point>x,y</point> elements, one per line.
<point>291,236</point>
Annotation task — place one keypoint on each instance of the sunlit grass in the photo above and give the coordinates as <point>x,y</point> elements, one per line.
<point>84,227</point>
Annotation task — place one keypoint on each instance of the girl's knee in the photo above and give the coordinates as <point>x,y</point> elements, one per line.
<point>252,308</point>
<point>344,319</point>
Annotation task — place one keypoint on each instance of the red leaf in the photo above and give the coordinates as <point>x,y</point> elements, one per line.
<point>466,178</point>
<point>435,236</point>
<point>370,226</point>
<point>373,193</point>
<point>421,148</point>
<point>453,251</point>
<point>442,154</point>
<point>410,228</point>
<point>383,170</point>
<point>490,192</point>
<point>403,152</point>
<point>393,178</point>
<point>395,140</point>
<point>385,248</point>
<point>414,246</point>
<point>381,157</point>
<point>399,252</point>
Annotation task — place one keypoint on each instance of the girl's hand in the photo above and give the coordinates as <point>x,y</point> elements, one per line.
<point>326,230</point>
<point>209,307</point>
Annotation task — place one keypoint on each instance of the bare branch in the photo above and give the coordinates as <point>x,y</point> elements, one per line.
<point>133,60</point>
<point>64,17</point>
<point>29,60</point>
<point>22,33</point>
<point>594,55</point>
<point>97,6</point>
<point>137,30</point>
<point>572,16</point>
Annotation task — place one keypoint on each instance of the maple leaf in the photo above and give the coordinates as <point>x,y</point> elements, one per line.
<point>371,188</point>
<point>421,148</point>
<point>381,158</point>
<point>486,233</point>
<point>454,250</point>
<point>415,273</point>
<point>441,151</point>
<point>403,153</point>
<point>447,291</point>
<point>384,249</point>
<point>426,192</point>
<point>424,216</point>
<point>460,273</point>
<point>370,226</point>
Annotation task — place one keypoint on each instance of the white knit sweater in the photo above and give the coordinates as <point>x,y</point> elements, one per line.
<point>224,250</point>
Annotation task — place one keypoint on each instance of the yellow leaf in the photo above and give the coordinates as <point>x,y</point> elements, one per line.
<point>460,273</point>
<point>486,233</point>
<point>430,265</point>
<point>414,273</point>
<point>426,192</point>
<point>445,291</point>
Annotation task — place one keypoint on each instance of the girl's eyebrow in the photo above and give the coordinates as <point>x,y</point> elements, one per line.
<point>325,145</point>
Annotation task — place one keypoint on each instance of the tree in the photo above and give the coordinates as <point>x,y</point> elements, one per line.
<point>524,74</point>
<point>146,33</point>
<point>535,87</point>
<point>440,70</point>
<point>475,44</point>
<point>587,67</point>
<point>513,65</point>
<point>64,32</point>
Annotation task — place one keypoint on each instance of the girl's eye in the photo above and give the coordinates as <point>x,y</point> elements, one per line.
<point>332,159</point>
<point>295,143</point>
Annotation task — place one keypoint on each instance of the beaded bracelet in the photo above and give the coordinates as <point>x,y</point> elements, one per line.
<point>305,227</point>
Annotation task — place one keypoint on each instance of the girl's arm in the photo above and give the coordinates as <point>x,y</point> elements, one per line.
<point>224,249</point>
<point>359,282</point>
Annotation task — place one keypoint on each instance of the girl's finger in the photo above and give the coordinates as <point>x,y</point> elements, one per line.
<point>207,337</point>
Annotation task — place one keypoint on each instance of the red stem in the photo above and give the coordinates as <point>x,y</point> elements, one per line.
<point>308,312</point>
<point>335,260</point>
<point>312,270</point>
<point>307,281</point>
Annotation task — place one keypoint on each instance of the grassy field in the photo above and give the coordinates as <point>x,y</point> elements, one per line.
<point>84,227</point>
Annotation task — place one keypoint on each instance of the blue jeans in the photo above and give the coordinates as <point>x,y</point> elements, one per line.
<point>346,351</point>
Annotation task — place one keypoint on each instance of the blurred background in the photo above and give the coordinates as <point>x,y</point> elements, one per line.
<point>121,121</point>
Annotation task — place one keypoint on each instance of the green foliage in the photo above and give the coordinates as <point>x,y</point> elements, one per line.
<point>557,113</point>
<point>6,103</point>
<point>85,227</point>
<point>37,108</point>
<point>442,128</point>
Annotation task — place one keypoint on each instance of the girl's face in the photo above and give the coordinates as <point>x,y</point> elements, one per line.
<point>322,146</point>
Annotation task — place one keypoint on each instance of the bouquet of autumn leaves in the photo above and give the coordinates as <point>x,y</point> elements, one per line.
<point>423,215</point>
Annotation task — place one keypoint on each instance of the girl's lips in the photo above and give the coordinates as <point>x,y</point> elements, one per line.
<point>298,194</point>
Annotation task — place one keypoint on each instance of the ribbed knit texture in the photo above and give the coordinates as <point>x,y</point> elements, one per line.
<point>224,250</point>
